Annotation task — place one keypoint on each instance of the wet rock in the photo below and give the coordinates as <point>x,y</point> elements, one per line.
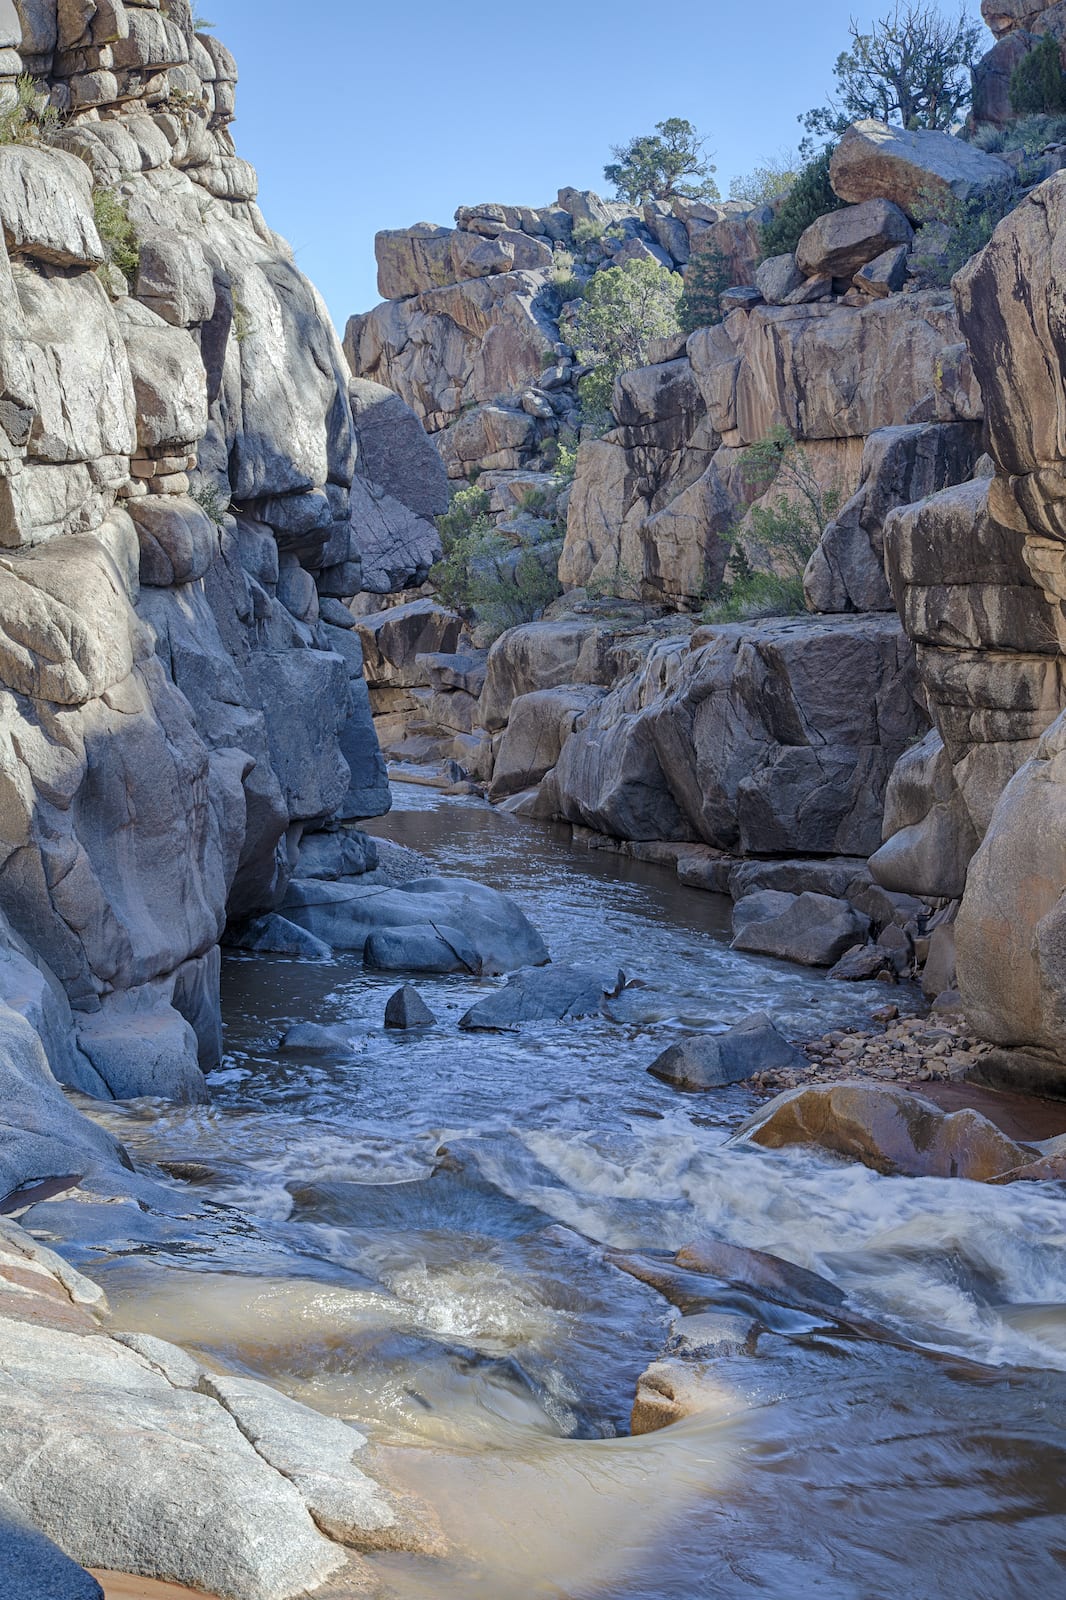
<point>673,1389</point>
<point>274,935</point>
<point>336,855</point>
<point>710,1061</point>
<point>771,1277</point>
<point>887,1129</point>
<point>713,1333</point>
<point>862,963</point>
<point>813,929</point>
<point>316,1038</point>
<point>545,994</point>
<point>407,1009</point>
<point>428,924</point>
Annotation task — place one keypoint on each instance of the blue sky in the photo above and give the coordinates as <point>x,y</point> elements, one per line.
<point>362,117</point>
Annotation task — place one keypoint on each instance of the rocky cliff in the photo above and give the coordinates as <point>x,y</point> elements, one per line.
<point>189,486</point>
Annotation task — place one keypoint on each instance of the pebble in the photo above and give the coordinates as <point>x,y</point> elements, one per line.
<point>902,1048</point>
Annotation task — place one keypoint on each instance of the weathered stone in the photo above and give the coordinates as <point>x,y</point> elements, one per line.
<point>777,277</point>
<point>538,726</point>
<point>178,540</point>
<point>711,1061</point>
<point>886,274</point>
<point>542,994</point>
<point>394,638</point>
<point>394,451</point>
<point>887,1129</point>
<point>813,929</point>
<point>671,1390</point>
<point>46,206</point>
<point>407,1009</point>
<point>275,935</point>
<point>839,244</point>
<point>875,161</point>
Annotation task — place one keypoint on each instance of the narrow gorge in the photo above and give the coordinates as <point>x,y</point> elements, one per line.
<point>532,884</point>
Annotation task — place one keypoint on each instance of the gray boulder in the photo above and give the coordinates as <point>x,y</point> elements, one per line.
<point>813,929</point>
<point>840,243</point>
<point>33,1568</point>
<point>874,161</point>
<point>546,994</point>
<point>274,935</point>
<point>428,925</point>
<point>885,274</point>
<point>316,1039</point>
<point>407,1009</point>
<point>711,1061</point>
<point>777,278</point>
<point>345,854</point>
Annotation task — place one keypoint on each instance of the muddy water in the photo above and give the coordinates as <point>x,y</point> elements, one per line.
<point>415,1235</point>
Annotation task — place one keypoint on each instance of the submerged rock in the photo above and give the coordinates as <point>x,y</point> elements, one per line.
<point>711,1061</point>
<point>407,1009</point>
<point>547,994</point>
<point>714,1333</point>
<point>316,1038</point>
<point>813,929</point>
<point>888,1129</point>
<point>672,1389</point>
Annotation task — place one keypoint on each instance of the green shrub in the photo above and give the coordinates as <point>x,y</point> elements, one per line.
<point>956,230</point>
<point>479,574</point>
<point>210,498</point>
<point>765,575</point>
<point>588,231</point>
<point>117,233</point>
<point>707,275</point>
<point>660,165</point>
<point>810,197</point>
<point>1038,83</point>
<point>623,308</point>
<point>26,117</point>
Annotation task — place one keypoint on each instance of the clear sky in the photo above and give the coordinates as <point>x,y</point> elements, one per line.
<point>363,116</point>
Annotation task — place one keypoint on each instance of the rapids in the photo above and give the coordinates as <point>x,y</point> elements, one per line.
<point>415,1235</point>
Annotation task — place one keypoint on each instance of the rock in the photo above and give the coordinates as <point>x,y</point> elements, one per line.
<point>174,279</point>
<point>46,208</point>
<point>714,1334</point>
<point>139,1044</point>
<point>887,1129</point>
<point>885,274</point>
<point>538,726</point>
<point>874,161</point>
<point>394,638</point>
<point>743,737</point>
<point>336,855</point>
<point>813,929</point>
<point>407,1009</point>
<point>862,963</point>
<point>34,1568</point>
<point>545,994</point>
<point>178,540</point>
<point>777,277</point>
<point>670,1390</point>
<point>313,1038</point>
<point>394,450</point>
<point>992,75</point>
<point>938,974</point>
<point>711,1061</point>
<point>431,924</point>
<point>841,243</point>
<point>274,935</point>
<point>930,836</point>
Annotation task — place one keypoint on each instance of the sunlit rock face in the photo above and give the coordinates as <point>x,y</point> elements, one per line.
<point>182,479</point>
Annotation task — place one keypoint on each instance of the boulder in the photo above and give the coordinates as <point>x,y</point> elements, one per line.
<point>992,75</point>
<point>178,540</point>
<point>538,726</point>
<point>813,929</point>
<point>407,1009</point>
<point>394,638</point>
<point>139,1044</point>
<point>711,1061</point>
<point>274,935</point>
<point>885,274</point>
<point>46,207</point>
<point>34,1568</point>
<point>395,453</point>
<point>316,1039</point>
<point>344,854</point>
<point>888,1129</point>
<point>672,1389</point>
<point>545,994</point>
<point>839,244</point>
<point>430,924</point>
<point>777,277</point>
<point>912,170</point>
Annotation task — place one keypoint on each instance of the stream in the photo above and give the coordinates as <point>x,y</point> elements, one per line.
<point>415,1235</point>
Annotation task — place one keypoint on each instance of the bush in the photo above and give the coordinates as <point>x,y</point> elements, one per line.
<point>810,197</point>
<point>770,180</point>
<point>706,277</point>
<point>1038,83</point>
<point>782,533</point>
<point>212,499</point>
<point>117,233</point>
<point>662,165</point>
<point>610,328</point>
<point>586,231</point>
<point>27,117</point>
<point>953,231</point>
<point>480,574</point>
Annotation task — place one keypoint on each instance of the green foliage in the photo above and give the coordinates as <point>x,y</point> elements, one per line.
<point>117,233</point>
<point>610,328</point>
<point>560,455</point>
<point>954,230</point>
<point>468,514</point>
<point>586,231</point>
<point>480,573</point>
<point>564,282</point>
<point>707,275</point>
<point>912,69</point>
<point>210,498</point>
<point>810,197</point>
<point>782,532</point>
<point>662,165</point>
<point>770,180</point>
<point>242,321</point>
<point>1038,83</point>
<point>25,114</point>
<point>201,25</point>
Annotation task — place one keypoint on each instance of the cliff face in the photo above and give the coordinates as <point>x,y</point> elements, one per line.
<point>184,497</point>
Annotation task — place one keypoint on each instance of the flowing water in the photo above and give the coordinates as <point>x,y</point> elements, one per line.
<point>415,1234</point>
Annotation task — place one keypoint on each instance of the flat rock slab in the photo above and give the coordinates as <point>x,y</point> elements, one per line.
<point>712,1061</point>
<point>546,994</point>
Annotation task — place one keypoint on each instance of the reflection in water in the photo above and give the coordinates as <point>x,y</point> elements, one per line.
<point>415,1235</point>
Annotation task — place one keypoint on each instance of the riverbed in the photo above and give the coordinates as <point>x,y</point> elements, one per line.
<point>414,1233</point>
